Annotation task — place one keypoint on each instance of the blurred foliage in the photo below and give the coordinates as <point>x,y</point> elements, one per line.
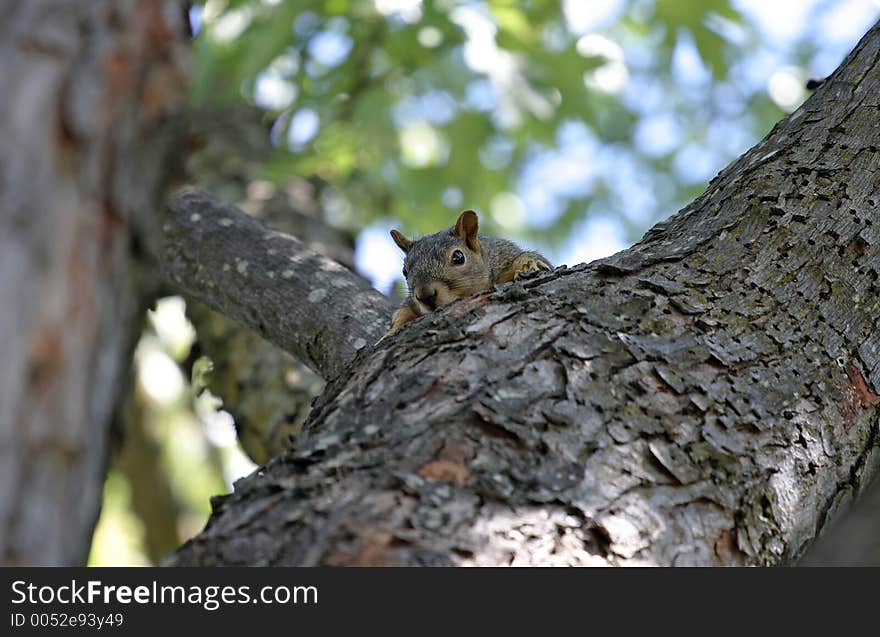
<point>177,451</point>
<point>543,116</point>
<point>413,110</point>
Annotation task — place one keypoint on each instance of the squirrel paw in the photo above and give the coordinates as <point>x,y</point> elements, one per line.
<point>406,313</point>
<point>529,266</point>
<point>387,334</point>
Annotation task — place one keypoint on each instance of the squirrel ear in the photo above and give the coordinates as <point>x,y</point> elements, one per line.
<point>402,242</point>
<point>466,229</point>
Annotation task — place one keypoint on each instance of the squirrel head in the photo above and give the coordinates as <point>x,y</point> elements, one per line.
<point>446,265</point>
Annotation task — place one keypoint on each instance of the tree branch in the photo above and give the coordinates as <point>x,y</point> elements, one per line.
<point>266,390</point>
<point>855,539</point>
<point>270,282</point>
<point>709,396</point>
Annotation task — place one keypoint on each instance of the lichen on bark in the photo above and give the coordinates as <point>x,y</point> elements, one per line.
<point>705,397</point>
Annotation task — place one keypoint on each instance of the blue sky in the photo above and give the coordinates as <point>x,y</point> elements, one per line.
<point>581,160</point>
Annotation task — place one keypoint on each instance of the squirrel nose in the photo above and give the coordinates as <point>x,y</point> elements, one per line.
<point>427,294</point>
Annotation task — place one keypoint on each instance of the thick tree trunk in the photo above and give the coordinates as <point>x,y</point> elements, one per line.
<point>706,397</point>
<point>90,94</point>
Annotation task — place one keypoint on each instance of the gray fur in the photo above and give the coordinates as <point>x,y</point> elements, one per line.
<point>426,259</point>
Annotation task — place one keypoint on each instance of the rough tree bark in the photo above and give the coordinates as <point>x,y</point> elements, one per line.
<point>304,302</point>
<point>90,94</point>
<point>705,397</point>
<point>267,391</point>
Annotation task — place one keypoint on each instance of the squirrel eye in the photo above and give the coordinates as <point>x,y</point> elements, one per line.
<point>457,257</point>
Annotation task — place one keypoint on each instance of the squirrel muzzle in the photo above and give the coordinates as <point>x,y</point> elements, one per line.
<point>427,296</point>
<point>432,295</point>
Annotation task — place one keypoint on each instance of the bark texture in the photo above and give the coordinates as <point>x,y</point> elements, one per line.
<point>304,302</point>
<point>708,396</point>
<point>90,94</point>
<point>267,391</point>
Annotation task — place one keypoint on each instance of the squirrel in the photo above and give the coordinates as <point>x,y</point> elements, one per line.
<point>454,263</point>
